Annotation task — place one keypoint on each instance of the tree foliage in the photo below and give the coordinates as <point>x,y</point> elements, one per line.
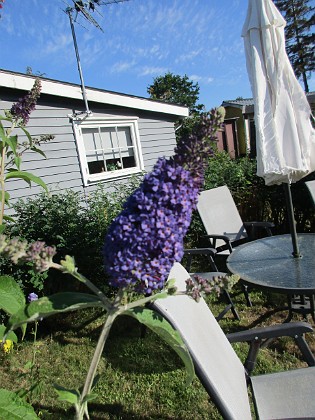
<point>176,89</point>
<point>300,36</point>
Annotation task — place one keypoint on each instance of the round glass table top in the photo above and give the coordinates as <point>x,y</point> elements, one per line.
<point>269,263</point>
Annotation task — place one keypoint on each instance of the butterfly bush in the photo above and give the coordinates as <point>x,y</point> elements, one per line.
<point>146,238</point>
<point>22,109</point>
<point>21,252</point>
<point>1,1</point>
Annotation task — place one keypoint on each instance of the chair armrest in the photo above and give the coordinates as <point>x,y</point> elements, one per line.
<point>251,227</point>
<point>200,251</point>
<point>213,238</point>
<point>257,337</point>
<point>289,329</point>
<point>209,252</point>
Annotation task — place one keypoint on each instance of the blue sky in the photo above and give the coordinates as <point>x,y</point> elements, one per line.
<point>142,39</point>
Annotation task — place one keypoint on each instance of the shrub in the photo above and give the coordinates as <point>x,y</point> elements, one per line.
<point>76,225</point>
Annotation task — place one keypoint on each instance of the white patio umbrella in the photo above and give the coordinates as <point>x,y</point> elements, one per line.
<point>284,134</point>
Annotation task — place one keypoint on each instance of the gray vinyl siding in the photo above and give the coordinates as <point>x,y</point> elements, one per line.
<point>61,168</point>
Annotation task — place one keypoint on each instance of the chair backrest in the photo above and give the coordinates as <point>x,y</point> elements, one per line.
<point>311,188</point>
<point>216,364</point>
<point>219,214</point>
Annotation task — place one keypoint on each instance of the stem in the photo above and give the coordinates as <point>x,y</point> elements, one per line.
<point>107,302</point>
<point>3,155</point>
<point>34,343</point>
<point>142,301</point>
<point>94,364</point>
<point>2,167</point>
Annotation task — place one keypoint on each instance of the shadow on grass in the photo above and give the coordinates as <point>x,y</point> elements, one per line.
<point>98,412</point>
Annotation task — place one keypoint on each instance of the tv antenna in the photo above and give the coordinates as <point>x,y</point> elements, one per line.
<point>84,8</point>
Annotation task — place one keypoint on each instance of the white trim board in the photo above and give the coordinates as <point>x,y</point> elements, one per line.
<point>67,90</point>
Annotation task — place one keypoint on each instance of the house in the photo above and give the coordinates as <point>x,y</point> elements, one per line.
<point>123,136</point>
<point>239,135</point>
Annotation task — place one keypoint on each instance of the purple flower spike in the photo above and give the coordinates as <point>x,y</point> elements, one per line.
<point>22,109</point>
<point>147,237</point>
<point>32,296</point>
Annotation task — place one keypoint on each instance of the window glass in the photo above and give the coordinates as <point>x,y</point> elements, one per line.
<point>109,149</point>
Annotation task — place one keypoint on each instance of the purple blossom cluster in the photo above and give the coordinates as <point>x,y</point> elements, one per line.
<point>147,237</point>
<point>22,109</point>
<point>19,252</point>
<point>145,240</point>
<point>199,286</point>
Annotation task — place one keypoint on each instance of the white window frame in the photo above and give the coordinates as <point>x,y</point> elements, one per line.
<point>94,123</point>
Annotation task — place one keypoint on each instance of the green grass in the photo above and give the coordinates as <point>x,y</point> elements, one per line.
<point>140,378</point>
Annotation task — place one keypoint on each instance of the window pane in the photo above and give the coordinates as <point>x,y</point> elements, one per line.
<point>92,144</point>
<point>108,148</point>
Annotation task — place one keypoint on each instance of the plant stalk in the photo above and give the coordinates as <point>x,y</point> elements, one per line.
<point>3,155</point>
<point>82,409</point>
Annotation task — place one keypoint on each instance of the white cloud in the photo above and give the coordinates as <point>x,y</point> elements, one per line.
<point>189,56</point>
<point>152,70</point>
<point>202,79</point>
<point>122,66</point>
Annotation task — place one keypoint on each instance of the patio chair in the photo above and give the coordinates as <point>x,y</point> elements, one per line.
<point>224,226</point>
<point>311,189</point>
<point>222,221</point>
<point>283,395</point>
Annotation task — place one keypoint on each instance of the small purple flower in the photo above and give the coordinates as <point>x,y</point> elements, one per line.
<point>199,286</point>
<point>32,296</point>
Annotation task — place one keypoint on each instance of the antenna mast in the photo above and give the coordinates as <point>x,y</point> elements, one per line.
<point>81,7</point>
<point>69,13</point>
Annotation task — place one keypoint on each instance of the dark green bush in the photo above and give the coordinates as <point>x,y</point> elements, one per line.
<point>76,225</point>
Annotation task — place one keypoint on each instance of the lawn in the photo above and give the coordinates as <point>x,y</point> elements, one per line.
<point>140,377</point>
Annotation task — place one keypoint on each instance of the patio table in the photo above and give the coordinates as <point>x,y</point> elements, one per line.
<point>268,264</point>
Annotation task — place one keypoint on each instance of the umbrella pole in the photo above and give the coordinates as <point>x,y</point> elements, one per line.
<point>289,205</point>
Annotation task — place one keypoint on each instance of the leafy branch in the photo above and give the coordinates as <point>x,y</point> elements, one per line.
<point>11,151</point>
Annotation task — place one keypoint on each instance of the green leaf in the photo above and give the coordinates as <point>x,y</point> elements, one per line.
<point>17,162</point>
<point>11,336</point>
<point>27,177</point>
<point>9,218</point>
<point>49,305</point>
<point>89,397</point>
<point>11,296</point>
<point>27,135</point>
<point>15,408</point>
<point>2,131</point>
<point>37,150</point>
<point>5,118</point>
<point>12,143</point>
<point>6,196</point>
<point>165,330</point>
<point>70,395</point>
<point>28,365</point>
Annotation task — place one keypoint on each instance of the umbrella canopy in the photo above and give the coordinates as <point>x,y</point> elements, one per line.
<point>284,134</point>
<point>285,138</point>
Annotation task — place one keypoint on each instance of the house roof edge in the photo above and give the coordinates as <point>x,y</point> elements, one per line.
<point>53,87</point>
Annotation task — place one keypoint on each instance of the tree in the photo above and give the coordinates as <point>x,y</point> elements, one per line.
<point>179,90</point>
<point>30,72</point>
<point>176,89</point>
<point>300,38</point>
